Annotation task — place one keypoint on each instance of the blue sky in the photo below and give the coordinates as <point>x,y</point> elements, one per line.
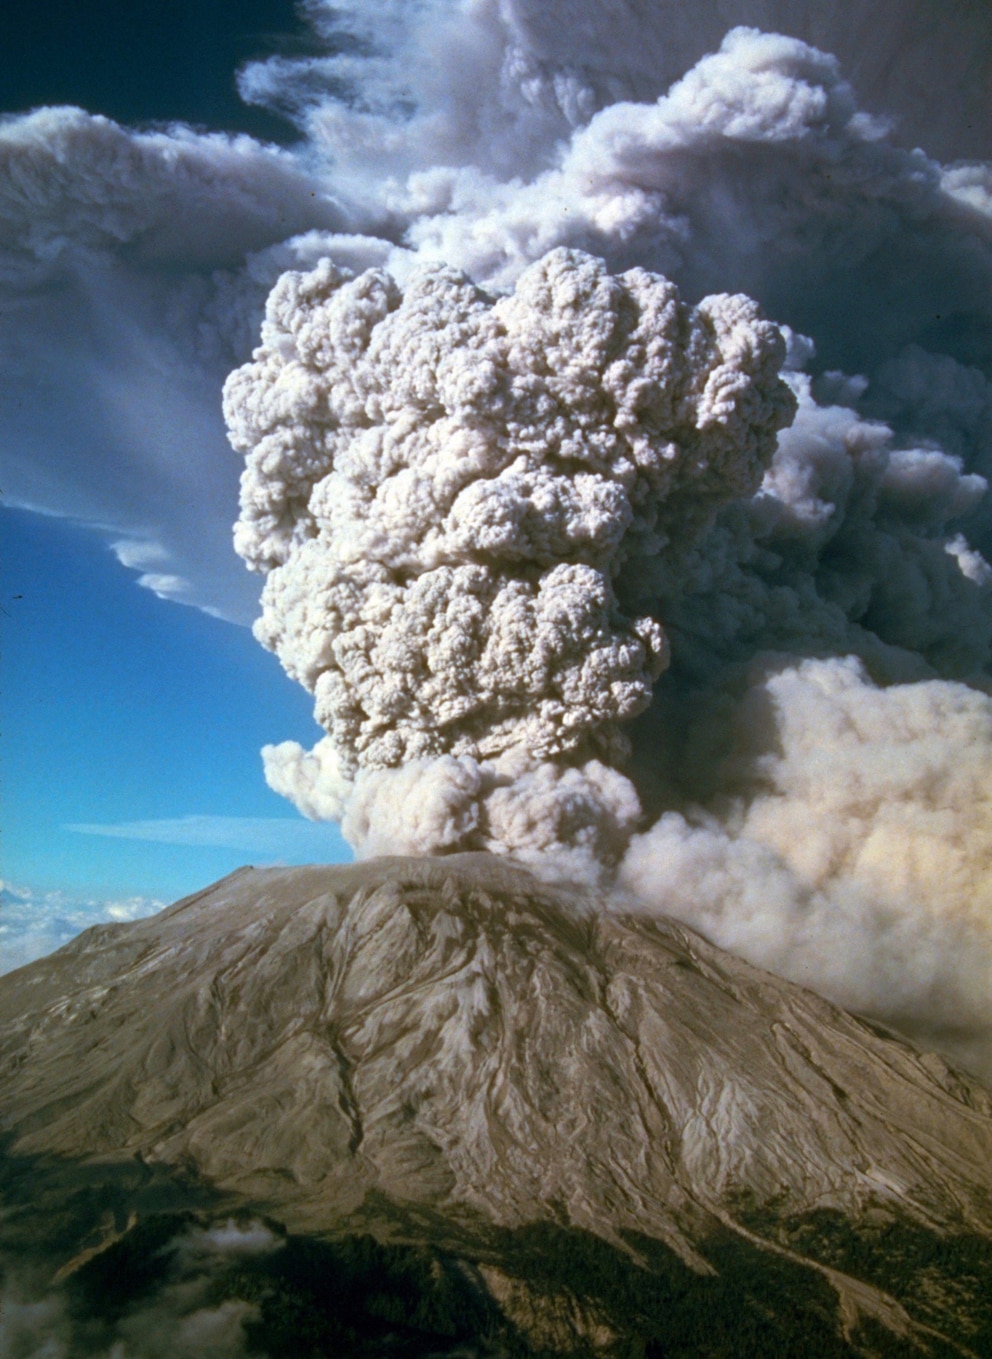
<point>121,708</point>
<point>140,720</point>
<point>136,718</point>
<point>136,62</point>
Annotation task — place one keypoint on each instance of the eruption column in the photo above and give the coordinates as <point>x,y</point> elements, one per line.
<point>443,488</point>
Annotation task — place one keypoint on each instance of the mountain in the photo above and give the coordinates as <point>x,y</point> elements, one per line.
<point>499,1117</point>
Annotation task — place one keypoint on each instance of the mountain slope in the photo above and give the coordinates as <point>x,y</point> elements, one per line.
<point>448,1054</point>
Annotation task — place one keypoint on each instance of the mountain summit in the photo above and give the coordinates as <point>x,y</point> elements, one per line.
<point>599,1132</point>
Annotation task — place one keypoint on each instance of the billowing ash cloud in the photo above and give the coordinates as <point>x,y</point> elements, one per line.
<point>756,172</point>
<point>132,267</point>
<point>657,594</point>
<point>444,489</point>
<point>847,843</point>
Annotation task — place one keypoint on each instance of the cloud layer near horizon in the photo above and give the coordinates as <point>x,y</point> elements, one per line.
<point>33,924</point>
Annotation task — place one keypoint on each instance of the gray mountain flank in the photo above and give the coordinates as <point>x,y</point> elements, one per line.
<point>447,1054</point>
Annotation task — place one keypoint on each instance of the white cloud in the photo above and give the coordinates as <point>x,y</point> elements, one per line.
<point>184,1316</point>
<point>289,838</point>
<point>33,924</point>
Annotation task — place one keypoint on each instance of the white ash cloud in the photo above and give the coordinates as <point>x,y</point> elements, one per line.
<point>442,488</point>
<point>848,845</point>
<point>807,783</point>
<point>756,172</point>
<point>816,759</point>
<point>499,85</point>
<point>855,543</point>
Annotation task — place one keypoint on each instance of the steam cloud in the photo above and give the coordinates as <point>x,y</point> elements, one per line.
<point>647,593</point>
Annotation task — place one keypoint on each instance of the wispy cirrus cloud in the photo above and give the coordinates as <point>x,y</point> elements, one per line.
<point>289,838</point>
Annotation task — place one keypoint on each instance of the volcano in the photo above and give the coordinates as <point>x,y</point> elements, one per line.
<point>473,1113</point>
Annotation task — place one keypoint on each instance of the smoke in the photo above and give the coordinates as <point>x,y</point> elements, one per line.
<point>584,559</point>
<point>848,845</point>
<point>132,268</point>
<point>499,83</point>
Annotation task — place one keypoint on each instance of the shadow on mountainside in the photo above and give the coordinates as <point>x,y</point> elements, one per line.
<point>119,1249</point>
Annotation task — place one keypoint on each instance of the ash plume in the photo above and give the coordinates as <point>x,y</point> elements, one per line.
<point>781,161</point>
<point>445,491</point>
<point>586,560</point>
